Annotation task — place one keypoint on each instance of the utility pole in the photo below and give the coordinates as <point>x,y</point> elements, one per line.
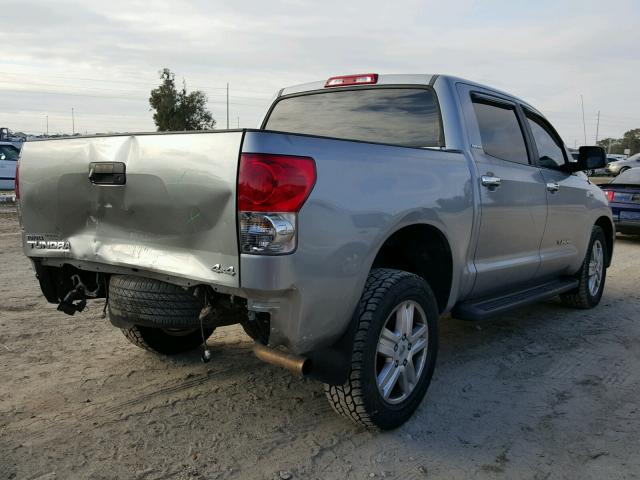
<point>47,125</point>
<point>227,106</point>
<point>584,125</point>
<point>73,122</point>
<point>598,127</point>
<point>238,122</point>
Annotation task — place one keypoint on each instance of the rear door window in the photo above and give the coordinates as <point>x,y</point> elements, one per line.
<point>500,131</point>
<point>401,116</point>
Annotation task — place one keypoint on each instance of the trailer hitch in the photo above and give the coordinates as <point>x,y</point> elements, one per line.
<point>76,299</point>
<point>76,295</point>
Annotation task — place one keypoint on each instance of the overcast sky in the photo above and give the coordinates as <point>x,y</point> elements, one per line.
<point>103,57</point>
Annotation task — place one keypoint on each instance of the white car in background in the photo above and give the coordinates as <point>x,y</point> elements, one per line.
<point>620,166</point>
<point>8,160</point>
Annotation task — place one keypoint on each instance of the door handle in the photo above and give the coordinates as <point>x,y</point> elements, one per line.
<point>107,173</point>
<point>553,187</point>
<point>491,181</point>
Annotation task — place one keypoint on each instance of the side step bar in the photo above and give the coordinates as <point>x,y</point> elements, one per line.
<point>482,309</point>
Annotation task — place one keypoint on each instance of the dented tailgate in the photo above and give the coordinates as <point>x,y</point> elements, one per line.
<point>172,210</point>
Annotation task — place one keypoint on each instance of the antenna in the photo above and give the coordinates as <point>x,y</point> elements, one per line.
<point>584,126</point>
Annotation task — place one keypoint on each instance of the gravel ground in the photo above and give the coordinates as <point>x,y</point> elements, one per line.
<point>543,393</point>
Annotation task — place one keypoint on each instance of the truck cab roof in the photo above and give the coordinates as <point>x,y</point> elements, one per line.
<point>401,79</point>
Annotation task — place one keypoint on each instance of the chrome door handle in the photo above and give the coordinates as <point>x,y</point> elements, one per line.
<point>553,187</point>
<point>491,181</point>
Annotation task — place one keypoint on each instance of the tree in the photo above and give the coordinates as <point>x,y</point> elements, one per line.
<point>630,140</point>
<point>177,110</point>
<point>611,145</point>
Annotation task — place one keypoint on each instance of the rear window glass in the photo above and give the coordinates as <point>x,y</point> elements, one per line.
<point>631,176</point>
<point>8,152</point>
<point>399,116</point>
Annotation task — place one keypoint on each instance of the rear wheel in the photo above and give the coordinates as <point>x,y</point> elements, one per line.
<point>592,275</point>
<point>394,351</point>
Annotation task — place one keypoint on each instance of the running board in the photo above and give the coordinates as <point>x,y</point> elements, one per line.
<point>485,308</point>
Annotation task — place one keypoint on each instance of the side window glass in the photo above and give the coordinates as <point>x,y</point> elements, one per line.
<point>550,151</point>
<point>500,131</point>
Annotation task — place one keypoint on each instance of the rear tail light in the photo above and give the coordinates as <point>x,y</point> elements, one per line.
<point>17,188</point>
<point>346,80</point>
<point>274,183</point>
<point>267,233</point>
<point>271,191</point>
<point>610,195</point>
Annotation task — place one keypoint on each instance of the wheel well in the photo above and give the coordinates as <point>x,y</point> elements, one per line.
<point>423,250</point>
<point>605,224</point>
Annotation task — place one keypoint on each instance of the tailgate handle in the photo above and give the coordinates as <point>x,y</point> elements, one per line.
<point>107,173</point>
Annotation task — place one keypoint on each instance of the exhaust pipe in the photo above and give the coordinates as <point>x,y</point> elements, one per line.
<point>294,363</point>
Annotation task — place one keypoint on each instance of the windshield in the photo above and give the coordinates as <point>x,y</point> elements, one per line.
<point>400,116</point>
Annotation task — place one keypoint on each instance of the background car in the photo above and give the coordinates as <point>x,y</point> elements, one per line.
<point>8,159</point>
<point>615,168</point>
<point>624,198</point>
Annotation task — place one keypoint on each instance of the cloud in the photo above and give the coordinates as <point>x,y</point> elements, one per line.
<point>102,58</point>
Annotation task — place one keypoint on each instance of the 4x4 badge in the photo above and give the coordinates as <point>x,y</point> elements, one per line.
<point>227,271</point>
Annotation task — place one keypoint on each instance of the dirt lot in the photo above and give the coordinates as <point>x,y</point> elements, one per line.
<point>545,392</point>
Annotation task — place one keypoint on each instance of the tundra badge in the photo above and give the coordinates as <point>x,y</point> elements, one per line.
<point>41,242</point>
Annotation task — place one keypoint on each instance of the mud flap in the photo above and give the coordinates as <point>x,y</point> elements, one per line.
<point>332,365</point>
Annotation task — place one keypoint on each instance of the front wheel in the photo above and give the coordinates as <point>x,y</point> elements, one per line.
<point>592,275</point>
<point>394,351</point>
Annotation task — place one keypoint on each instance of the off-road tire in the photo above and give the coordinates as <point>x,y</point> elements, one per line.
<point>165,342</point>
<point>359,399</point>
<point>581,297</point>
<point>160,317</point>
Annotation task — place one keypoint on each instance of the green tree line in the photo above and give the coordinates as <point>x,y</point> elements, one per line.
<point>630,140</point>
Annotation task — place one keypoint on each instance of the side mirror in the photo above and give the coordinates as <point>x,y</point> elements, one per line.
<point>2,156</point>
<point>589,158</point>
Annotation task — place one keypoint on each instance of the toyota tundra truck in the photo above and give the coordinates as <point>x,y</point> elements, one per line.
<point>363,209</point>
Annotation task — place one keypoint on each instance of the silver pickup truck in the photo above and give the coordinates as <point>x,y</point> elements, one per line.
<point>337,234</point>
